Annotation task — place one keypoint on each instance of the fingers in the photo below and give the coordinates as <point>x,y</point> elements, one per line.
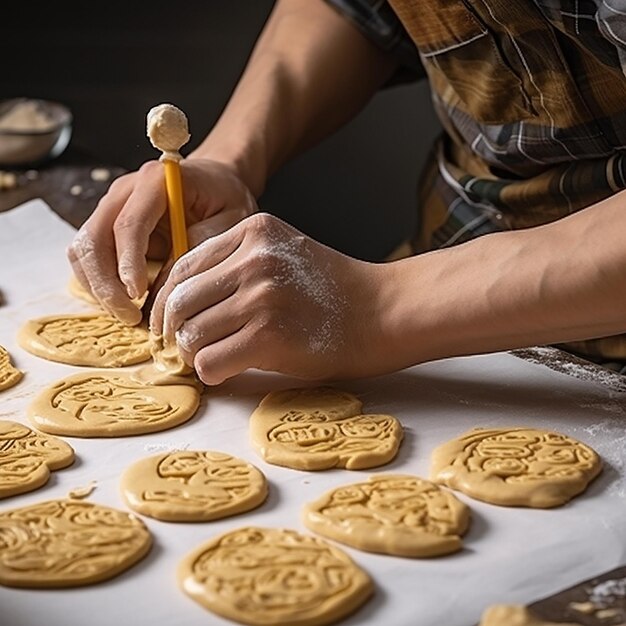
<point>210,326</point>
<point>93,258</point>
<point>154,288</point>
<point>134,225</point>
<point>197,234</point>
<point>105,213</point>
<point>215,225</point>
<point>207,255</point>
<point>194,295</point>
<point>228,357</point>
<point>77,269</point>
<point>100,268</point>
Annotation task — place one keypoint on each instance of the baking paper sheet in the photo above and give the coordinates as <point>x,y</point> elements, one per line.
<point>510,555</point>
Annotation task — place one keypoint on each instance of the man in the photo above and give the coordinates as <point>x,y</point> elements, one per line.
<point>522,219</point>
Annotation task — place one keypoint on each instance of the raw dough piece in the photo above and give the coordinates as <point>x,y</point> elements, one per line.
<point>103,404</point>
<point>68,543</point>
<point>91,339</point>
<point>516,466</point>
<point>193,486</point>
<point>27,457</point>
<point>503,615</point>
<point>392,514</point>
<point>316,429</point>
<point>9,375</point>
<point>78,291</point>
<point>167,367</point>
<point>272,576</point>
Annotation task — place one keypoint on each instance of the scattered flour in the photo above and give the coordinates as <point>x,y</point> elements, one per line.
<point>608,593</point>
<point>608,439</point>
<point>165,447</point>
<point>578,368</point>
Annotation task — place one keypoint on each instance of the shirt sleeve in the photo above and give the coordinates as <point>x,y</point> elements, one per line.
<point>612,25</point>
<point>377,21</point>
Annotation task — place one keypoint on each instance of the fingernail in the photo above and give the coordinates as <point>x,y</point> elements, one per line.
<point>131,318</point>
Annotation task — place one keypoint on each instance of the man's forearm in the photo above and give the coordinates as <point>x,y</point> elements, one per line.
<point>309,73</point>
<point>560,282</point>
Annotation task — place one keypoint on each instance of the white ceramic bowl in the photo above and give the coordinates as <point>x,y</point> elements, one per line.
<point>21,145</point>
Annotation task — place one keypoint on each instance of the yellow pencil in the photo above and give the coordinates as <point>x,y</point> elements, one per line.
<point>168,132</point>
<point>174,189</point>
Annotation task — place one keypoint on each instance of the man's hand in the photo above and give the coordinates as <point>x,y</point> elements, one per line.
<point>108,254</point>
<point>310,72</point>
<point>262,295</point>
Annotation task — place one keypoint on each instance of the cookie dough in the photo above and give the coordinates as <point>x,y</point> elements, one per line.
<point>391,514</point>
<point>90,339</point>
<point>68,543</point>
<point>168,130</point>
<point>167,367</point>
<point>9,375</point>
<point>272,576</point>
<point>516,466</point>
<point>514,615</point>
<point>103,404</point>
<point>27,458</point>
<point>317,429</point>
<point>193,486</point>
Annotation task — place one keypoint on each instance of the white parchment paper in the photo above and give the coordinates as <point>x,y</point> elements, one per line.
<point>510,555</point>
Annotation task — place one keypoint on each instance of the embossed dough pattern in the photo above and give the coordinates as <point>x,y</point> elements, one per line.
<point>27,457</point>
<point>68,543</point>
<point>391,514</point>
<point>274,577</point>
<point>9,375</point>
<point>516,466</point>
<point>103,404</point>
<point>89,339</point>
<point>321,428</point>
<point>193,486</point>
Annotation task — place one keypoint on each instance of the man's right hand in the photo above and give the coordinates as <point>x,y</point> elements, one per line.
<point>130,224</point>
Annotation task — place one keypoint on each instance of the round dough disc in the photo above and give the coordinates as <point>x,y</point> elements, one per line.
<point>27,457</point>
<point>392,514</point>
<point>193,486</point>
<point>264,576</point>
<point>516,466</point>
<point>68,543</point>
<point>90,339</point>
<point>317,429</point>
<point>9,375</point>
<point>106,404</point>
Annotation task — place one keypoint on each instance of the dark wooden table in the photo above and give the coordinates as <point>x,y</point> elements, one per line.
<point>66,184</point>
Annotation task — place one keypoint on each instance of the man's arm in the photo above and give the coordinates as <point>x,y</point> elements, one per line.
<point>560,282</point>
<point>310,72</point>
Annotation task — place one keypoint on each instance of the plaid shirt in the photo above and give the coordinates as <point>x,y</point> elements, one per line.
<point>532,98</point>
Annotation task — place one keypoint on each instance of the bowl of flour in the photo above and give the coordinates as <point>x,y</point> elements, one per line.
<point>32,131</point>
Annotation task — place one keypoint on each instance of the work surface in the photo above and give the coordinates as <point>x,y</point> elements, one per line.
<point>510,555</point>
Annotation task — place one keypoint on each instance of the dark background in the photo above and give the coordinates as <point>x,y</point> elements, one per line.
<point>111,62</point>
